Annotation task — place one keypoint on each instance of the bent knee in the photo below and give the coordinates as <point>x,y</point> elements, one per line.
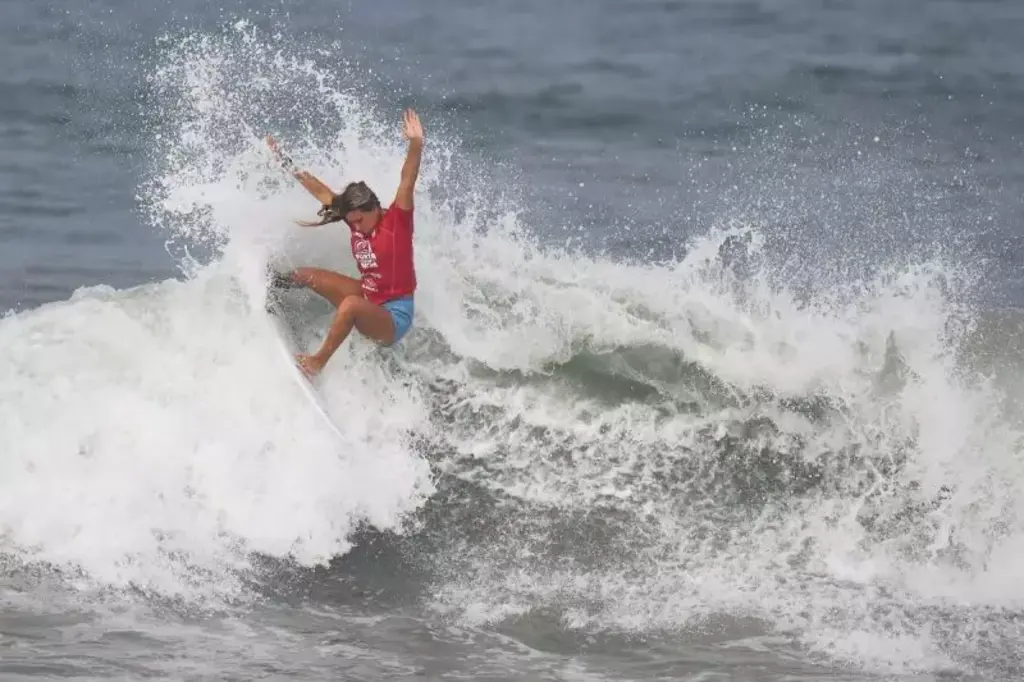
<point>359,307</point>
<point>351,304</point>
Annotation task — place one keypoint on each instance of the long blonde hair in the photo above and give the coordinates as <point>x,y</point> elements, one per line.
<point>328,214</point>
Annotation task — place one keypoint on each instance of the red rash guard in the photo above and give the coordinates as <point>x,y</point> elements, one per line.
<point>385,257</point>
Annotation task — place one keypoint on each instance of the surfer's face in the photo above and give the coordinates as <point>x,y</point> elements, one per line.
<point>363,221</point>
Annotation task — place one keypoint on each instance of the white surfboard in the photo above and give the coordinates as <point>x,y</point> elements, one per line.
<point>289,349</point>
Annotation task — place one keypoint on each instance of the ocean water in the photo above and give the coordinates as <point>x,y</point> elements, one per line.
<point>715,375</point>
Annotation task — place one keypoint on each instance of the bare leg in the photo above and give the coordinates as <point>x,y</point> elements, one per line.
<point>369,319</point>
<point>331,285</point>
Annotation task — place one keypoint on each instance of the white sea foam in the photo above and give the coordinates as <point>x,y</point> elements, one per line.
<point>148,425</point>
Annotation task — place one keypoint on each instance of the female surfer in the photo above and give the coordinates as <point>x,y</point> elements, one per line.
<point>380,303</point>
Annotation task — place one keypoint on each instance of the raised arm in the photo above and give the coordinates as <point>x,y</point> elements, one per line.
<point>313,185</point>
<point>411,168</point>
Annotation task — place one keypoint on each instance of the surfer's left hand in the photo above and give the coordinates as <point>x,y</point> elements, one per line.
<point>412,127</point>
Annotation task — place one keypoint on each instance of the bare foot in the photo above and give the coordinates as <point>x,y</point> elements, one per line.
<point>310,365</point>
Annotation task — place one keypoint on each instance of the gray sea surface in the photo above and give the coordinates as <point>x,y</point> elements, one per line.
<point>715,372</point>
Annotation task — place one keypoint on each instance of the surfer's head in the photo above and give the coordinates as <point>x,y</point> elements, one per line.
<point>357,205</point>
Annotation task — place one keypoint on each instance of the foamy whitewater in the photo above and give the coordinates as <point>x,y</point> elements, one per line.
<point>664,450</point>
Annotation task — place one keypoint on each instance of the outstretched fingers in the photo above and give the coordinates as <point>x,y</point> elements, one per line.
<point>413,127</point>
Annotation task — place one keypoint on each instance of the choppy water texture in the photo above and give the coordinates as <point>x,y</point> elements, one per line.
<point>715,374</point>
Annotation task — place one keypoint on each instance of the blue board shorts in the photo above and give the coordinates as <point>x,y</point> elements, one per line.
<point>401,310</point>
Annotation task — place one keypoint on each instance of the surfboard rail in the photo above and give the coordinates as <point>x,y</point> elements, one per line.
<point>289,349</point>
